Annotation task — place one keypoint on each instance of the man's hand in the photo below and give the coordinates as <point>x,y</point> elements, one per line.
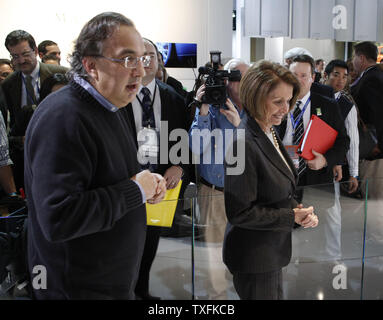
<point>160,190</point>
<point>376,151</point>
<point>231,113</point>
<point>148,182</point>
<point>337,171</point>
<point>352,184</point>
<point>172,176</point>
<point>204,110</point>
<point>318,162</point>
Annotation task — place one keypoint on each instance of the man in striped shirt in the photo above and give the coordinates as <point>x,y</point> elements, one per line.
<point>336,76</point>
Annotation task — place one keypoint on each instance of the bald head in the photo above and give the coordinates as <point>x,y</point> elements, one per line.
<point>233,86</point>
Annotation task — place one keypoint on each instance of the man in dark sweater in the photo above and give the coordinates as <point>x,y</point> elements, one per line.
<point>85,191</point>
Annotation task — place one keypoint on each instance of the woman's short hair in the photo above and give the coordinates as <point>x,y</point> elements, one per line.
<point>50,82</point>
<point>259,81</point>
<point>91,39</point>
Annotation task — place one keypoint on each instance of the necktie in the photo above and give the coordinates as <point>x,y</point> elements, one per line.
<point>147,121</point>
<point>147,109</point>
<point>356,81</point>
<point>31,97</point>
<point>298,134</point>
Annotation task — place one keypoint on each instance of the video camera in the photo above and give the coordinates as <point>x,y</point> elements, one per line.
<point>215,92</point>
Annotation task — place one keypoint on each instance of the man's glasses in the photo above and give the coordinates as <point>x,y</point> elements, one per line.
<point>25,55</point>
<point>131,62</point>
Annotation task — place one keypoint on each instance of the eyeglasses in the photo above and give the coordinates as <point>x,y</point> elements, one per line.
<point>25,54</point>
<point>131,62</point>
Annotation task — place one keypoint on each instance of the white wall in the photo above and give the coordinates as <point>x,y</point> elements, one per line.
<point>205,22</point>
<point>324,49</point>
<point>320,49</point>
<point>274,49</point>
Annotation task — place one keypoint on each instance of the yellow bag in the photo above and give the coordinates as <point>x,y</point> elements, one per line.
<point>162,214</point>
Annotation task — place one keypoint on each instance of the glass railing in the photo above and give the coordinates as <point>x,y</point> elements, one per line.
<point>372,284</point>
<point>341,259</point>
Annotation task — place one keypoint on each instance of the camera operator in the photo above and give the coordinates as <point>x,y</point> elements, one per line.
<point>211,173</point>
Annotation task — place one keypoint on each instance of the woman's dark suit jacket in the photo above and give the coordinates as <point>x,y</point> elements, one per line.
<point>259,205</point>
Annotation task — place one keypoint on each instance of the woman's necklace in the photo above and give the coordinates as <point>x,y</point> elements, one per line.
<point>274,137</point>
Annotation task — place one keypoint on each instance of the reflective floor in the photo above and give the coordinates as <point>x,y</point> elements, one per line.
<point>327,262</point>
<point>341,259</point>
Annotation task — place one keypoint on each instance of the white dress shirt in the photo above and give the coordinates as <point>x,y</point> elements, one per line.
<point>137,109</point>
<point>351,124</point>
<point>288,139</point>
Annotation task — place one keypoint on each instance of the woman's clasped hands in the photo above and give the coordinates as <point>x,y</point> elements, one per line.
<point>305,216</point>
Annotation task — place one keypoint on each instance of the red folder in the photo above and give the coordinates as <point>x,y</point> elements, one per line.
<point>318,136</point>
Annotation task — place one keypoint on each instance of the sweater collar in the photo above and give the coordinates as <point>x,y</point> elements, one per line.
<point>94,93</point>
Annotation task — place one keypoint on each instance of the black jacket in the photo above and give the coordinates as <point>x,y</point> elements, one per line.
<point>368,96</point>
<point>259,205</point>
<point>173,110</point>
<point>12,86</point>
<point>330,113</point>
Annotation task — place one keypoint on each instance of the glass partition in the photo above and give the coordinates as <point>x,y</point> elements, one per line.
<point>172,272</point>
<point>326,261</point>
<point>373,254</point>
<point>340,259</point>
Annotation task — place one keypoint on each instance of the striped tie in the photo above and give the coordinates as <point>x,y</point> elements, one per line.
<point>298,134</point>
<point>147,108</point>
<point>30,91</point>
<point>148,121</point>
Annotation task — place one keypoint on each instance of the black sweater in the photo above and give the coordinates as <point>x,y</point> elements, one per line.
<point>87,221</point>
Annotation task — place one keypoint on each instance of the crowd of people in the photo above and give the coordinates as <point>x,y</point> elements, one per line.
<point>75,141</point>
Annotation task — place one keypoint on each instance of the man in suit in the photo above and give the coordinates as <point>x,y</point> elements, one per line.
<point>156,105</point>
<point>316,86</point>
<point>319,68</point>
<point>22,90</point>
<point>5,70</point>
<point>324,168</point>
<point>320,169</point>
<point>367,90</point>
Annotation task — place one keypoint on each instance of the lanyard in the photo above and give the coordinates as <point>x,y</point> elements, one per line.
<point>29,97</point>
<point>295,122</point>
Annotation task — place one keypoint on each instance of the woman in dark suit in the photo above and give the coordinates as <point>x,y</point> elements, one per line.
<point>259,202</point>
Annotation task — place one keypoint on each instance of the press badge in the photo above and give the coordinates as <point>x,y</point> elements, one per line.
<point>148,145</point>
<point>294,155</point>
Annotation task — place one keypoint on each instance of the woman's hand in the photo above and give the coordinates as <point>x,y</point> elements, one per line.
<point>305,216</point>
